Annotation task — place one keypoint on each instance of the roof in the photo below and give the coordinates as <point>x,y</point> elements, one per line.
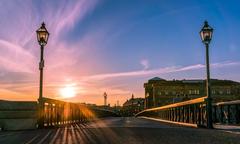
<point>157,79</point>
<point>193,81</point>
<point>133,101</point>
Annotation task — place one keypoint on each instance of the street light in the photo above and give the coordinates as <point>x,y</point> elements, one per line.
<point>42,37</point>
<point>206,36</point>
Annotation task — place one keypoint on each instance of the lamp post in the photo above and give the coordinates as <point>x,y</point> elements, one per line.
<point>42,37</point>
<point>206,36</point>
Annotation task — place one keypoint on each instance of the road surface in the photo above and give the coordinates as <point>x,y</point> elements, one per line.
<point>119,130</point>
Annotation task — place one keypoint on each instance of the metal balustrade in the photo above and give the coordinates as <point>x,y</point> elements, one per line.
<point>227,112</point>
<point>56,112</point>
<point>194,112</point>
<point>16,115</point>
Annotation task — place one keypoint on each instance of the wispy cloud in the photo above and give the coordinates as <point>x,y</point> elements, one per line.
<point>13,57</point>
<point>76,11</point>
<point>18,47</point>
<point>19,50</point>
<point>165,70</point>
<point>144,63</point>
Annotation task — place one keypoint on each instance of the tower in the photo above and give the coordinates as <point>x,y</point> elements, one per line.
<point>105,98</point>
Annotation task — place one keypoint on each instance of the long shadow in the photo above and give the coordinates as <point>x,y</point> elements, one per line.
<point>79,131</point>
<point>88,133</point>
<point>76,136</point>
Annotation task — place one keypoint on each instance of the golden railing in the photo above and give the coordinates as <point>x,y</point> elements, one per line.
<point>55,112</point>
<point>194,112</point>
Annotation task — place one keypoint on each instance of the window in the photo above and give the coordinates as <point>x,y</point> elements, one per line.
<point>147,95</point>
<point>198,92</point>
<point>213,92</point>
<point>220,92</point>
<point>228,91</point>
<point>174,92</point>
<point>166,92</point>
<point>190,91</point>
<point>194,92</point>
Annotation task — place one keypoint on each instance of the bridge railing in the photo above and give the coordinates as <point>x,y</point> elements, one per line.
<point>191,111</point>
<point>19,115</point>
<point>227,112</point>
<point>194,112</point>
<point>56,112</point>
<point>15,115</point>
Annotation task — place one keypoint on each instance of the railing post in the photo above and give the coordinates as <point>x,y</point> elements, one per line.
<point>222,114</point>
<point>57,114</point>
<point>201,114</point>
<point>215,114</point>
<point>228,114</point>
<point>188,114</point>
<point>179,114</point>
<point>184,112</point>
<point>193,113</point>
<point>40,113</point>
<point>175,114</point>
<point>51,114</point>
<point>237,114</point>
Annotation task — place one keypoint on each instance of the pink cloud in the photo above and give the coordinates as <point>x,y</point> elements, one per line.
<point>13,57</point>
<point>165,70</point>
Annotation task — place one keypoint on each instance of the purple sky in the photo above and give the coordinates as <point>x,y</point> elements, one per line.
<point>113,46</point>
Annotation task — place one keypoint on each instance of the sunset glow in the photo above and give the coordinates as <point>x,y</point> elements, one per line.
<point>68,91</point>
<point>112,46</point>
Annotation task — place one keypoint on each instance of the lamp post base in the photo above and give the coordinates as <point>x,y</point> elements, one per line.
<point>209,113</point>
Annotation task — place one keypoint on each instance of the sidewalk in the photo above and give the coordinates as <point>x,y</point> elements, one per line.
<point>227,128</point>
<point>171,122</point>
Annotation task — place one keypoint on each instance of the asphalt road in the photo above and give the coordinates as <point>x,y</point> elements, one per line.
<point>121,131</point>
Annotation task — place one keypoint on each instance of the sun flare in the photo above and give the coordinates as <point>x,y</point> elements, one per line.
<point>68,91</point>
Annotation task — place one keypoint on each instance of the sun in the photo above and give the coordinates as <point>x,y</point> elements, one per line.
<point>68,91</point>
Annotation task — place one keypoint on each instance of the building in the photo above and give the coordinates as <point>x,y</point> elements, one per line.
<point>133,106</point>
<point>159,92</point>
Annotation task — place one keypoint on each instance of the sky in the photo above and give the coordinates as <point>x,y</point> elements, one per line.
<point>113,46</point>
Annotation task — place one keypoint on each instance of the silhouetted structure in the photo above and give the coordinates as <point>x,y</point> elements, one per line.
<point>206,36</point>
<point>159,92</point>
<point>105,98</point>
<point>42,37</point>
<point>133,106</point>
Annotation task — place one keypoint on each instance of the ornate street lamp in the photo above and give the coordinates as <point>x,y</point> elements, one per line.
<point>206,36</point>
<point>42,37</point>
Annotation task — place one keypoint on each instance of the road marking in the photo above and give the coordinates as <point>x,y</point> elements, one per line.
<point>45,137</point>
<point>31,140</point>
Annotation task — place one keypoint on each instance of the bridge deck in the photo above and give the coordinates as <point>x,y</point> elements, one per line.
<point>120,130</point>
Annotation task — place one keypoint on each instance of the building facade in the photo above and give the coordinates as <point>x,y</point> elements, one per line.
<point>159,92</point>
<point>133,106</point>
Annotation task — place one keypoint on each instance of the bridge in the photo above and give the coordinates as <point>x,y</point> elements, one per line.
<point>66,122</point>
<point>17,115</point>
